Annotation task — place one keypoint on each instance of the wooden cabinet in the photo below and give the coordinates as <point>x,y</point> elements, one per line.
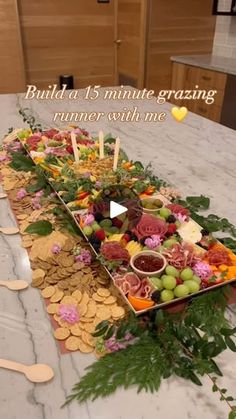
<point>186,77</point>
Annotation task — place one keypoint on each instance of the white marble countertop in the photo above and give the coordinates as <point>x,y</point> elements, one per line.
<point>210,62</point>
<point>198,156</point>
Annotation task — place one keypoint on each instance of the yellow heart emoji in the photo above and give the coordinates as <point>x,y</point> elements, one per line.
<point>179,113</point>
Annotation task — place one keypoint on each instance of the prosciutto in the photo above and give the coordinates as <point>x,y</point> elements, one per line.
<point>131,284</point>
<point>181,255</point>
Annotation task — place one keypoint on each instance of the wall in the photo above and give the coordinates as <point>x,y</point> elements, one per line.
<point>225,36</point>
<point>12,77</point>
<point>68,37</point>
<point>179,27</point>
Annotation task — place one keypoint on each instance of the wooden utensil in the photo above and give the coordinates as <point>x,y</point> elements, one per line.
<point>9,230</point>
<point>37,373</point>
<point>3,195</point>
<point>14,285</point>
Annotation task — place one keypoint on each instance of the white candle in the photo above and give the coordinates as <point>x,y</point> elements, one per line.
<point>101,144</point>
<point>116,154</point>
<point>74,146</point>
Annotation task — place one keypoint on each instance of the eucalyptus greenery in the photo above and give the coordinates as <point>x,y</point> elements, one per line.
<point>30,119</point>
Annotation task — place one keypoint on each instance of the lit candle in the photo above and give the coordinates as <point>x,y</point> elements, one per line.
<point>101,144</point>
<point>74,146</point>
<point>116,154</point>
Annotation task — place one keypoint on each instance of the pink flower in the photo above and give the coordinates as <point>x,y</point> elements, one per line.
<point>202,270</point>
<point>39,193</point>
<point>180,217</point>
<point>21,194</point>
<point>3,158</point>
<point>69,313</point>
<point>88,219</point>
<point>153,241</point>
<point>84,256</point>
<point>56,248</point>
<point>36,203</point>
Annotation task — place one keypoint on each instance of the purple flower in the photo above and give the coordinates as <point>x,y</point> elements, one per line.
<point>202,270</point>
<point>69,313</point>
<point>153,241</point>
<point>114,344</point>
<point>21,194</point>
<point>56,248</point>
<point>84,256</point>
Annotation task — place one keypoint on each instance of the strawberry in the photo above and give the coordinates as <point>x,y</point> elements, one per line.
<point>172,228</point>
<point>116,222</point>
<point>126,237</point>
<point>100,234</point>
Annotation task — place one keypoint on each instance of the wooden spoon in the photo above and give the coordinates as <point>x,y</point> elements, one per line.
<point>3,195</point>
<point>37,373</point>
<point>14,285</point>
<point>9,230</point>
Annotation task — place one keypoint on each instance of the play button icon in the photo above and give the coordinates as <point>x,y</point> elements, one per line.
<point>116,209</point>
<point>117,201</point>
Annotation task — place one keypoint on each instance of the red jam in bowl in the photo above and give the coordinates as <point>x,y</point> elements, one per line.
<point>148,263</point>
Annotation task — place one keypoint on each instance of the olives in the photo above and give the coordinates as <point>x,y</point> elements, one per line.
<point>152,204</point>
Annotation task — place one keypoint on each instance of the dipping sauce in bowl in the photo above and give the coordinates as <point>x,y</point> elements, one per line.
<point>148,262</point>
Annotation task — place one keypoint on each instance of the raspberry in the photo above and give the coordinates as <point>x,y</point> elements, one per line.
<point>116,222</point>
<point>69,148</point>
<point>179,281</point>
<point>172,228</point>
<point>100,234</point>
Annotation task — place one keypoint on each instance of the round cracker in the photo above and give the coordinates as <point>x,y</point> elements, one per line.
<point>72,343</point>
<point>85,348</point>
<point>110,300</point>
<point>82,309</point>
<point>103,292</point>
<point>57,296</point>
<point>88,339</point>
<point>52,308</point>
<point>85,298</point>
<point>117,312</point>
<point>61,333</point>
<point>69,300</point>
<point>98,298</point>
<point>48,291</point>
<point>76,330</point>
<point>77,294</point>
<point>103,313</point>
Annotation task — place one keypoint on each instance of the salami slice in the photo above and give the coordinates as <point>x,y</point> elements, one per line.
<point>114,251</point>
<point>150,225</point>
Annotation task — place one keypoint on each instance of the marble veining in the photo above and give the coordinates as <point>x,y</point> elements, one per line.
<point>197,156</point>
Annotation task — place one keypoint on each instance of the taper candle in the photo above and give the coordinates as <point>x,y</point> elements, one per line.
<point>116,154</point>
<point>101,144</point>
<point>74,146</point>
